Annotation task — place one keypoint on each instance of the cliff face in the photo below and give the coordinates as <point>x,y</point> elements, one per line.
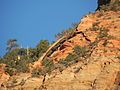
<point>99,32</point>
<point>100,71</point>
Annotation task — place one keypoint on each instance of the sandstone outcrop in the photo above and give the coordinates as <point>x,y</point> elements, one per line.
<point>101,71</point>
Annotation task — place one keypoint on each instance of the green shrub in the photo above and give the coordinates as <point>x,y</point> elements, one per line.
<point>63,62</point>
<point>38,72</point>
<point>42,47</point>
<point>1,60</point>
<point>10,70</point>
<point>41,72</point>
<point>95,43</point>
<point>14,80</point>
<point>26,57</point>
<point>47,62</point>
<point>13,55</point>
<point>80,51</point>
<point>70,57</point>
<point>48,67</point>
<point>67,32</point>
<point>17,66</point>
<point>74,57</point>
<point>103,33</point>
<point>22,66</point>
<point>95,26</point>
<point>33,54</point>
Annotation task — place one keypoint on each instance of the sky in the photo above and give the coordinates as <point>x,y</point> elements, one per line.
<point>30,21</point>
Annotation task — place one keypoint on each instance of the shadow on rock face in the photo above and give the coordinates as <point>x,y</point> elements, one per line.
<point>102,2</point>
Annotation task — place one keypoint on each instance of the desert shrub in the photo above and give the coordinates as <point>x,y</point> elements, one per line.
<point>12,55</point>
<point>18,65</point>
<point>103,33</point>
<point>14,80</point>
<point>33,54</point>
<point>35,73</point>
<point>71,58</point>
<point>22,52</point>
<point>63,62</point>
<point>48,67</point>
<point>1,60</point>
<point>94,28</point>
<point>67,32</point>
<point>38,72</point>
<point>47,62</point>
<point>95,43</point>
<point>10,70</point>
<point>42,47</point>
<point>22,66</point>
<point>111,37</point>
<point>61,66</point>
<point>105,7</point>
<point>81,51</point>
<point>19,58</point>
<point>115,6</point>
<point>75,56</point>
<point>10,63</point>
<point>41,71</point>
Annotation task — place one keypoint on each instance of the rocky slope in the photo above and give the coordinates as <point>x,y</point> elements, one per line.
<point>99,70</point>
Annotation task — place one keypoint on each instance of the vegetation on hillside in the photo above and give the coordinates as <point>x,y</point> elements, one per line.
<point>48,67</point>
<point>79,53</point>
<point>17,59</point>
<point>115,6</point>
<point>67,32</point>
